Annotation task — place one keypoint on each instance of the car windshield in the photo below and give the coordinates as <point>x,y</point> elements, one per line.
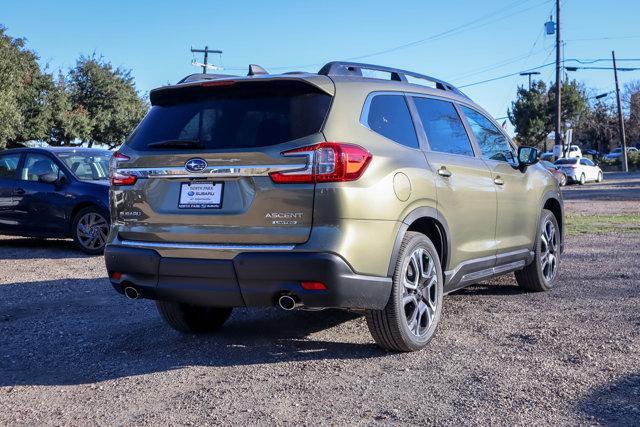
<point>566,161</point>
<point>89,166</point>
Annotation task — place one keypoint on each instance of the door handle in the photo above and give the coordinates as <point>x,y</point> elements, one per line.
<point>19,191</point>
<point>498,181</point>
<point>444,172</point>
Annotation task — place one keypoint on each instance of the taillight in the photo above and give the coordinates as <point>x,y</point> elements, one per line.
<point>328,162</point>
<point>313,286</point>
<point>116,177</point>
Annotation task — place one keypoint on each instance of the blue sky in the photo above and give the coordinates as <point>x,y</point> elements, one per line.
<point>489,38</point>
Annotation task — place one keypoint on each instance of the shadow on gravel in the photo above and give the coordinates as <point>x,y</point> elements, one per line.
<point>30,248</point>
<point>615,404</point>
<point>80,331</point>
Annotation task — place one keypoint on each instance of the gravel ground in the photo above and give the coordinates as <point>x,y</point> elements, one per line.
<point>617,194</point>
<point>72,351</point>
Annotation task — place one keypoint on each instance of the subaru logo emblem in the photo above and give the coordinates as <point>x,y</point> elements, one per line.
<point>195,165</point>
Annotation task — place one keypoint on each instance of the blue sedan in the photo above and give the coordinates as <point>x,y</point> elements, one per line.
<point>56,192</point>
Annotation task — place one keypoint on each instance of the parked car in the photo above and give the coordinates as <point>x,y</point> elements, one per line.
<point>548,156</point>
<point>580,170</point>
<point>616,153</point>
<point>574,151</point>
<point>56,192</point>
<point>595,154</point>
<point>325,190</point>
<point>557,173</point>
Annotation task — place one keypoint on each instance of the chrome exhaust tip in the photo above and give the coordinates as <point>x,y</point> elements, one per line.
<point>131,292</point>
<point>287,302</point>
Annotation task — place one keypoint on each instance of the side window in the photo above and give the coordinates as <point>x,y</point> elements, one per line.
<point>36,165</point>
<point>589,162</point>
<point>9,165</point>
<point>389,116</point>
<point>443,126</point>
<point>493,144</point>
<point>584,162</point>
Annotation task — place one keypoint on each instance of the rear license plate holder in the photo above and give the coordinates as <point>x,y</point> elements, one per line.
<point>200,195</point>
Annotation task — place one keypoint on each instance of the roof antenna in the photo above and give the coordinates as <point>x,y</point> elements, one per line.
<point>256,70</point>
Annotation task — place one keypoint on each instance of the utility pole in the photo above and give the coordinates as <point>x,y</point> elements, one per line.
<point>623,142</point>
<point>206,52</point>
<point>530,73</point>
<point>559,85</point>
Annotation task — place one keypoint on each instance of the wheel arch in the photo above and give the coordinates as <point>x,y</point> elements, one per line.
<point>82,205</point>
<point>552,201</point>
<point>430,222</point>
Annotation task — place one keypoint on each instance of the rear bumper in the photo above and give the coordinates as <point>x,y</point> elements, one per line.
<point>250,279</point>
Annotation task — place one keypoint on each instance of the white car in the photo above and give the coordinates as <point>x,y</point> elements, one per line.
<point>579,170</point>
<point>617,153</point>
<point>574,151</point>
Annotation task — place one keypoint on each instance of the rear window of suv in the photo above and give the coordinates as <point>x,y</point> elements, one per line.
<point>233,115</point>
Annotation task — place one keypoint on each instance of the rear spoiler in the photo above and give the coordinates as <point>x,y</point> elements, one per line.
<point>322,83</point>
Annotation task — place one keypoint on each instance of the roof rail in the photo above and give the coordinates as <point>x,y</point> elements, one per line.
<point>341,68</point>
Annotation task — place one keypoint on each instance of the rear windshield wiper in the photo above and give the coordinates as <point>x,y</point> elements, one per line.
<point>182,143</point>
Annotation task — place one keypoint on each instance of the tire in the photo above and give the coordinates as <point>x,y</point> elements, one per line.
<point>89,230</point>
<point>542,273</point>
<point>190,319</point>
<point>390,327</point>
<point>599,177</point>
<point>583,179</point>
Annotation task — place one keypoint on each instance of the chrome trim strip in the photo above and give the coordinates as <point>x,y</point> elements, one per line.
<point>205,246</point>
<point>212,171</point>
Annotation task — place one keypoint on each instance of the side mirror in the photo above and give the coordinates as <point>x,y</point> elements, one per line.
<point>48,178</point>
<point>527,156</point>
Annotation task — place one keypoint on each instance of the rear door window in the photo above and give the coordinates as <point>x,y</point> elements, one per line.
<point>389,116</point>
<point>443,126</point>
<point>9,165</point>
<point>237,115</point>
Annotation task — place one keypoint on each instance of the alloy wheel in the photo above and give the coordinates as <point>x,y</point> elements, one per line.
<point>419,298</point>
<point>549,251</point>
<point>92,230</point>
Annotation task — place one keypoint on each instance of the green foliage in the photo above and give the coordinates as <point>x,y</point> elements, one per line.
<point>94,103</point>
<point>109,98</point>
<point>529,114</point>
<point>533,111</point>
<point>22,97</point>
<point>69,122</point>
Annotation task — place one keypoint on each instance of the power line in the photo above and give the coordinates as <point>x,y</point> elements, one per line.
<point>457,30</point>
<point>469,26</point>
<point>603,38</point>
<point>506,75</point>
<point>546,65</point>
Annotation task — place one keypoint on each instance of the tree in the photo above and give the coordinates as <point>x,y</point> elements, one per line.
<point>529,114</point>
<point>574,104</point>
<point>69,122</point>
<point>109,98</point>
<point>23,93</point>
<point>598,128</point>
<point>533,111</point>
<point>631,100</point>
